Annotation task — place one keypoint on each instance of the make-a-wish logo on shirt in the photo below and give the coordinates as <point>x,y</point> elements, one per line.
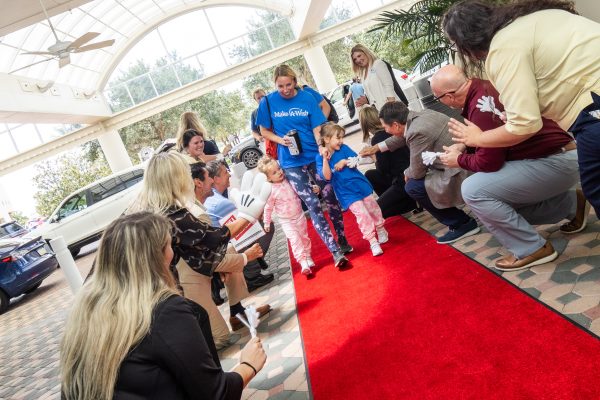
<point>292,112</point>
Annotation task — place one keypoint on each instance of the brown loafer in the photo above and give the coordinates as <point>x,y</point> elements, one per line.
<point>236,324</point>
<point>578,223</point>
<point>542,256</point>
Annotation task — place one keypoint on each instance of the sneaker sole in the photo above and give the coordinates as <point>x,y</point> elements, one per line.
<point>585,218</point>
<point>541,261</point>
<point>470,233</point>
<point>341,263</point>
<point>377,254</point>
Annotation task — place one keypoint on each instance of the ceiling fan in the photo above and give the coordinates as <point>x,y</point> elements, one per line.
<point>61,51</point>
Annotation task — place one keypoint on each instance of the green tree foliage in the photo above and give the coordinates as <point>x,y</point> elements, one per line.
<point>419,31</point>
<point>18,217</point>
<point>221,113</point>
<point>57,178</point>
<point>142,81</point>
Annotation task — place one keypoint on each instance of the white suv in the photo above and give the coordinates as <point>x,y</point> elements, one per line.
<point>82,217</point>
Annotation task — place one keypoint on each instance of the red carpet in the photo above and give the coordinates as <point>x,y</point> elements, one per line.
<point>422,321</point>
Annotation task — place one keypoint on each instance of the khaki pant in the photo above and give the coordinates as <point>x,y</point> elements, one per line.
<point>196,287</point>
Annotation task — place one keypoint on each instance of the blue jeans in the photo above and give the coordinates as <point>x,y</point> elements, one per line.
<point>302,179</point>
<point>587,133</point>
<point>452,217</point>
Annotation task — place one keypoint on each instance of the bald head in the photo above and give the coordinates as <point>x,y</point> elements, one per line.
<point>447,78</point>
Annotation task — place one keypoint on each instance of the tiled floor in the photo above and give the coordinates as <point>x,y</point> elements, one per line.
<point>31,330</point>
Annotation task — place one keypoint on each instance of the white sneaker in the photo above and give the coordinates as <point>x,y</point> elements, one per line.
<point>305,268</point>
<point>310,262</point>
<point>376,249</point>
<point>382,235</point>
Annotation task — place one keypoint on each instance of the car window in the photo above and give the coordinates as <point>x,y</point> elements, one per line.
<point>115,185</point>
<point>9,229</point>
<point>337,95</point>
<point>73,205</point>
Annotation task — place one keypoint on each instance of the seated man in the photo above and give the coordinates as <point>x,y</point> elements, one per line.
<point>196,288</point>
<point>436,188</point>
<point>529,183</point>
<point>219,206</point>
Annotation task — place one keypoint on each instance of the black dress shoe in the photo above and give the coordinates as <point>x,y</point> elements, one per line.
<point>263,264</point>
<point>259,281</point>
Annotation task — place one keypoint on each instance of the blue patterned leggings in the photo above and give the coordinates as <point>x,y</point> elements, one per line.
<point>302,179</point>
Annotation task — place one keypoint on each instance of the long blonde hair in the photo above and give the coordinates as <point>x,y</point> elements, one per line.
<point>369,121</point>
<point>167,183</point>
<point>361,72</point>
<point>189,120</point>
<point>112,312</point>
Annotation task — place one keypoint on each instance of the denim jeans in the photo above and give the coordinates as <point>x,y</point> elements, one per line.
<point>587,133</point>
<point>452,217</point>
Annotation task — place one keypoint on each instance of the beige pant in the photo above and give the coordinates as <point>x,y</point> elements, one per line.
<point>196,287</point>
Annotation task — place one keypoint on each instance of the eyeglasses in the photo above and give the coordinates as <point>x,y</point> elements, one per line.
<point>438,98</point>
<point>450,92</point>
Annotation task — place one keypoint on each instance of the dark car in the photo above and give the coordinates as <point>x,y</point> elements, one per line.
<point>24,264</point>
<point>11,229</point>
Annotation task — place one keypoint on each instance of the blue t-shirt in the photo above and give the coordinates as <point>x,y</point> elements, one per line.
<point>318,96</point>
<point>349,184</point>
<point>357,90</point>
<point>301,113</point>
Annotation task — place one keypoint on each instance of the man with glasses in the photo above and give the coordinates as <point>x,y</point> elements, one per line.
<point>513,187</point>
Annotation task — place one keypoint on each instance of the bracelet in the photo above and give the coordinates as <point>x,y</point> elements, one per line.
<point>248,364</point>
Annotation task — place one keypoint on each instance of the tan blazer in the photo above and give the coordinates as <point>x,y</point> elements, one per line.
<point>427,130</point>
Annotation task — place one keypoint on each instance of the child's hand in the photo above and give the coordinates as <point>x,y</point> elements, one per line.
<point>325,153</point>
<point>340,165</point>
<point>316,189</point>
<point>267,228</point>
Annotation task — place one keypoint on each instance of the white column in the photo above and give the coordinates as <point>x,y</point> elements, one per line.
<point>320,69</point>
<point>114,151</point>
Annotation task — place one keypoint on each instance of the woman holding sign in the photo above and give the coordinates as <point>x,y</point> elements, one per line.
<point>291,117</point>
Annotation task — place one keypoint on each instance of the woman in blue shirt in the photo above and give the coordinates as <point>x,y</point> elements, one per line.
<point>292,108</point>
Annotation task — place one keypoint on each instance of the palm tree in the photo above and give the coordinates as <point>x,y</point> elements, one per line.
<point>420,30</point>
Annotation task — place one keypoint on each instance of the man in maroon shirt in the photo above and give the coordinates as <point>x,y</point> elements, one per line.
<point>513,187</point>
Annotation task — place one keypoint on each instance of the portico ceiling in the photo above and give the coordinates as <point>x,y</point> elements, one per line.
<point>25,29</point>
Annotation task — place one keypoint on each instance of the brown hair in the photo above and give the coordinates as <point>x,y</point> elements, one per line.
<point>369,121</point>
<point>330,130</point>
<point>472,24</point>
<point>285,70</point>
<point>189,120</point>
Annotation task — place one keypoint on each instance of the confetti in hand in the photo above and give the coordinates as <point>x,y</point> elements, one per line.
<point>430,156</point>
<point>252,320</point>
<point>352,162</point>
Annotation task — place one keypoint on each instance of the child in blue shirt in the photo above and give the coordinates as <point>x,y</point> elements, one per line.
<point>338,165</point>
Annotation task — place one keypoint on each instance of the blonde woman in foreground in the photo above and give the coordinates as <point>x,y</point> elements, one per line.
<point>131,335</point>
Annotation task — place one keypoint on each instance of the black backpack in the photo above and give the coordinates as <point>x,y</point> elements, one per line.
<point>333,115</point>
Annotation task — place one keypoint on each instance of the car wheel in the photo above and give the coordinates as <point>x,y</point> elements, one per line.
<point>34,287</point>
<point>4,302</point>
<point>250,157</point>
<point>74,251</point>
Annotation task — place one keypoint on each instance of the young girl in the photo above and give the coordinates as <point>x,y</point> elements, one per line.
<point>351,187</point>
<point>285,202</point>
